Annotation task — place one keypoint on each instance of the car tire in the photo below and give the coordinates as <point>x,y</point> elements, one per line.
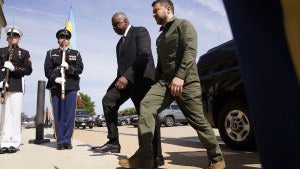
<point>169,121</point>
<point>123,123</point>
<point>83,127</point>
<point>235,127</point>
<point>103,124</point>
<point>90,127</point>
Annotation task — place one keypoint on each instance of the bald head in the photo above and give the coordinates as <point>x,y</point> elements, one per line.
<point>120,22</point>
<point>120,16</point>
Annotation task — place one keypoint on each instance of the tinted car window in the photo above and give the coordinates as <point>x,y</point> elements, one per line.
<point>82,113</point>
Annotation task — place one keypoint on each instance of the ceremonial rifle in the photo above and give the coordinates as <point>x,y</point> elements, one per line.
<point>5,80</point>
<point>63,72</point>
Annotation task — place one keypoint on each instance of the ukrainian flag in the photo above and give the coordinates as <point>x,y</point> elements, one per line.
<point>70,26</point>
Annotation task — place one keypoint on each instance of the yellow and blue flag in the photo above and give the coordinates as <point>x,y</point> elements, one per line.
<point>70,26</point>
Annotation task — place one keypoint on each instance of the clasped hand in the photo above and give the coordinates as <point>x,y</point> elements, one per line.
<point>65,65</point>
<point>9,65</point>
<point>59,80</point>
<point>121,83</point>
<point>1,85</point>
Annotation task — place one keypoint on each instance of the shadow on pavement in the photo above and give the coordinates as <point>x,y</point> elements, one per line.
<point>234,159</point>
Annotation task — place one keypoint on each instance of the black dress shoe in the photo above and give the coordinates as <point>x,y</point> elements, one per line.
<point>158,161</point>
<point>68,146</point>
<point>113,147</point>
<point>3,150</point>
<point>12,149</point>
<point>96,148</point>
<point>60,147</point>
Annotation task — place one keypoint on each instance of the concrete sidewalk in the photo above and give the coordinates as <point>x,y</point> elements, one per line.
<point>46,156</point>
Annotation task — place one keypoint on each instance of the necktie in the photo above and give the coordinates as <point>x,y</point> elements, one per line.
<point>121,44</point>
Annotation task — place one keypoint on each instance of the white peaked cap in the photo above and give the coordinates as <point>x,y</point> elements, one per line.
<point>15,30</point>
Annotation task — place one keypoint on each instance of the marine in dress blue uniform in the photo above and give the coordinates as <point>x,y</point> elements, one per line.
<point>63,109</point>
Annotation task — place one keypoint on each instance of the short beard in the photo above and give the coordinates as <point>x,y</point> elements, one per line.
<point>161,20</point>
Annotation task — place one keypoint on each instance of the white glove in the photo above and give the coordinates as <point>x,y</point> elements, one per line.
<point>1,84</point>
<point>65,65</point>
<point>9,65</point>
<point>58,80</point>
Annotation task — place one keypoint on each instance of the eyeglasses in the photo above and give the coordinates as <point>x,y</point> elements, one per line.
<point>14,34</point>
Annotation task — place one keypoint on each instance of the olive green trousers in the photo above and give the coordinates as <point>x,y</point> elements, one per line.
<point>157,99</point>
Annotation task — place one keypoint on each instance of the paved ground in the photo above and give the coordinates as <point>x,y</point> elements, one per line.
<point>45,156</point>
<point>181,148</point>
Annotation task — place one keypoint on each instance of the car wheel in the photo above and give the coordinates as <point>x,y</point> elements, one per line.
<point>169,121</point>
<point>84,127</point>
<point>235,126</point>
<point>90,127</point>
<point>123,123</point>
<point>103,124</point>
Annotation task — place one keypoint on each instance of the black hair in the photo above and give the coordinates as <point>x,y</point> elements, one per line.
<point>164,2</point>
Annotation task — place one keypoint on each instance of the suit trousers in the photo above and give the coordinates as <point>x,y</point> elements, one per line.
<point>114,98</point>
<point>64,115</point>
<point>157,99</point>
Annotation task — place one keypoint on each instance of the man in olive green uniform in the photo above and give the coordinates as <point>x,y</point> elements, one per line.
<point>176,79</point>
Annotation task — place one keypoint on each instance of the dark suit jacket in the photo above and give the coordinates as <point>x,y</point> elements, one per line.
<point>134,56</point>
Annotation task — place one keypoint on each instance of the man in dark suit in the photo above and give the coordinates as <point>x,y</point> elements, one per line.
<point>134,78</point>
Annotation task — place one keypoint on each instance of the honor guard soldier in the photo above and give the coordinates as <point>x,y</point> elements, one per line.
<point>62,69</point>
<point>15,63</point>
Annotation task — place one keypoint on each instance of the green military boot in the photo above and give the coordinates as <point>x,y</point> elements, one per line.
<point>136,161</point>
<point>217,165</point>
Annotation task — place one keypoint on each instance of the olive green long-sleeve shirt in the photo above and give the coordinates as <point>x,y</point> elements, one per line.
<point>177,50</point>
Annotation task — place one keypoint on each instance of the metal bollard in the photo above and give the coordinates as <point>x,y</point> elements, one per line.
<point>39,118</point>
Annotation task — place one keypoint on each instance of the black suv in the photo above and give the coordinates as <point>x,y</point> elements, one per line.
<point>223,96</point>
<point>83,119</point>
